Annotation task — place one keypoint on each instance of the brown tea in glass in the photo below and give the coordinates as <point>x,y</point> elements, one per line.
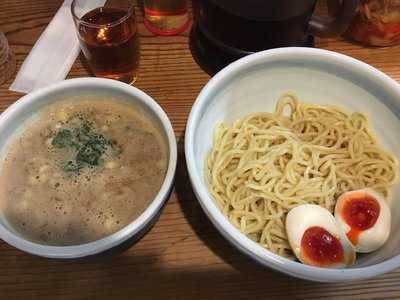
<point>109,39</point>
<point>166,17</point>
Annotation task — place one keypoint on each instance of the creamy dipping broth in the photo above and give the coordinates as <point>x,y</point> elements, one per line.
<point>81,170</point>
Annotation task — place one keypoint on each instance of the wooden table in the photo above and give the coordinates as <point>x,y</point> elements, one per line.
<point>183,256</point>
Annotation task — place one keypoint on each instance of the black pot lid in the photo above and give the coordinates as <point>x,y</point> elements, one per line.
<point>265,9</point>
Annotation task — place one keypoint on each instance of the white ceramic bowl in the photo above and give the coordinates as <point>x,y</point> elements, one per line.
<point>13,118</point>
<point>253,84</point>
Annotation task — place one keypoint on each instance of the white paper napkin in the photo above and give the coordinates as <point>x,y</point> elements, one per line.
<point>54,53</point>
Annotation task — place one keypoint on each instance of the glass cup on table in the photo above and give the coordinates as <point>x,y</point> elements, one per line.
<point>166,17</point>
<point>109,37</point>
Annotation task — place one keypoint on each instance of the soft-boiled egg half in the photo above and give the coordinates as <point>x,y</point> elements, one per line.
<point>317,239</point>
<point>365,218</point>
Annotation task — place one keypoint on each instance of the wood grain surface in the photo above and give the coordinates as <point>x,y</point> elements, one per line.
<point>183,256</point>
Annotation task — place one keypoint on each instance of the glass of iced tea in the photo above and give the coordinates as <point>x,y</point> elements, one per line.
<point>166,17</point>
<point>108,37</point>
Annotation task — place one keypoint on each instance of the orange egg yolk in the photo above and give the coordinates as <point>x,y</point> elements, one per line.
<point>360,213</point>
<point>320,248</point>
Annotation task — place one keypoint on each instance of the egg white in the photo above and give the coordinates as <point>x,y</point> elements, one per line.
<point>302,217</point>
<point>373,238</point>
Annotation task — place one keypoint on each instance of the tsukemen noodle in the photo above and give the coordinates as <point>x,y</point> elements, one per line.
<point>265,164</point>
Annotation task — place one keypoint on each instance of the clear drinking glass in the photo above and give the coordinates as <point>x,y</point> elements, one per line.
<point>109,38</point>
<point>166,17</point>
<point>8,63</point>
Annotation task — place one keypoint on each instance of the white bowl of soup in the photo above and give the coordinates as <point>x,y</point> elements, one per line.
<point>86,165</point>
<point>251,158</point>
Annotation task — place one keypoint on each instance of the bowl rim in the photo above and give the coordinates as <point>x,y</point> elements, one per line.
<point>231,233</point>
<point>137,225</point>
